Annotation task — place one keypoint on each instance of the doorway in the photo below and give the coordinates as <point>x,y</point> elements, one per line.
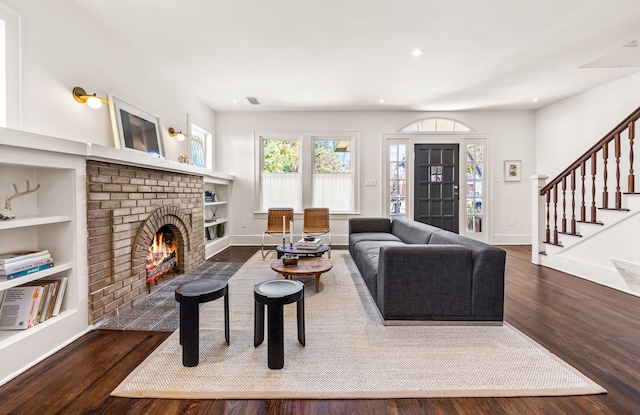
<point>436,187</point>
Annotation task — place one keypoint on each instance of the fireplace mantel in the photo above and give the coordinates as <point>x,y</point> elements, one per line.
<point>42,143</point>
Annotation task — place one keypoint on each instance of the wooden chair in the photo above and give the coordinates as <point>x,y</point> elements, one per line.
<point>316,223</point>
<point>274,224</point>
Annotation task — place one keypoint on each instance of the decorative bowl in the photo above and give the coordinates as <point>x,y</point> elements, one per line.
<point>290,260</point>
<point>309,238</point>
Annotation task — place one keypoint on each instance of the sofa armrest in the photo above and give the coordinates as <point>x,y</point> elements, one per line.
<point>357,225</point>
<point>418,281</point>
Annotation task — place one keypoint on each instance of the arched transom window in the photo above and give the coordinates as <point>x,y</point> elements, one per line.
<point>435,125</point>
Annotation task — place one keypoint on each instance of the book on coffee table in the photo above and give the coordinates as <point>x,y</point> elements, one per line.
<point>302,244</point>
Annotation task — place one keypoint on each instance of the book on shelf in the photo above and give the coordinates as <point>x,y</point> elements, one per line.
<point>18,305</point>
<point>16,256</point>
<point>60,296</point>
<point>44,301</point>
<point>54,291</point>
<point>51,290</point>
<point>29,271</point>
<point>302,244</point>
<point>15,267</point>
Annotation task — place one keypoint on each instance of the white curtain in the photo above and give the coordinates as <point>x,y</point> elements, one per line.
<point>334,191</point>
<point>281,190</point>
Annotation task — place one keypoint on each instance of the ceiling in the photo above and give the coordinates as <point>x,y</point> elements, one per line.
<point>350,54</point>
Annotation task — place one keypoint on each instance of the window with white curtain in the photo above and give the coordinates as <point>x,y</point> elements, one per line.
<point>333,178</point>
<point>307,170</point>
<point>280,178</point>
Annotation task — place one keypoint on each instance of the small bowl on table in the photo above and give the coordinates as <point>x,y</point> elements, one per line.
<point>290,260</point>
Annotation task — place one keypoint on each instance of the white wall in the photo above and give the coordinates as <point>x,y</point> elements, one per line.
<point>511,135</point>
<point>567,129</point>
<point>63,48</point>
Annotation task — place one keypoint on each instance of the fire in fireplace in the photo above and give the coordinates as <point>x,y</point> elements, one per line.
<point>162,257</point>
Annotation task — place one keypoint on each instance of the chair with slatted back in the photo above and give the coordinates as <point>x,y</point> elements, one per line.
<point>274,224</point>
<point>316,223</point>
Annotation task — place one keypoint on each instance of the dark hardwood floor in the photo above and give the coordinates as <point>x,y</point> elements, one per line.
<point>594,328</point>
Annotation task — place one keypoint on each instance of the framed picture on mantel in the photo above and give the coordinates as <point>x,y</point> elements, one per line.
<point>135,129</point>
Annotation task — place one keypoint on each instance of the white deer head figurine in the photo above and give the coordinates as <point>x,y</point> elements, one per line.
<point>7,213</point>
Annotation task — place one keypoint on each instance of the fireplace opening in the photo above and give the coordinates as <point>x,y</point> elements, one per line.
<point>162,258</point>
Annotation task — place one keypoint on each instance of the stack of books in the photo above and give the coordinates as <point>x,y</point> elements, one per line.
<point>311,245</point>
<point>21,263</point>
<point>30,304</point>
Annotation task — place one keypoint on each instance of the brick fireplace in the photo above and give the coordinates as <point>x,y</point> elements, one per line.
<point>127,205</point>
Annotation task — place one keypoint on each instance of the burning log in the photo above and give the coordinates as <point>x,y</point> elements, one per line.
<point>160,260</point>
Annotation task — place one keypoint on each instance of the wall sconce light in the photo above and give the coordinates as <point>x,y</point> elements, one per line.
<point>179,135</point>
<point>92,101</point>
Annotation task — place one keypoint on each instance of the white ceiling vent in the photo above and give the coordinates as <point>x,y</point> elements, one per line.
<point>253,100</point>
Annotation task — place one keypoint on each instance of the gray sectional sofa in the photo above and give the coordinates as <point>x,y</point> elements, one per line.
<point>417,272</point>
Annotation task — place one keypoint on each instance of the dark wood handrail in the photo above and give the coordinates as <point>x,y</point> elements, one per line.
<point>594,149</point>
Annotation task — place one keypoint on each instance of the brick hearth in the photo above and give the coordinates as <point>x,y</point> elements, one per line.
<point>126,206</point>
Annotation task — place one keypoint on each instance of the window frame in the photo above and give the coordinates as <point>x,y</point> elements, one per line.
<point>209,143</point>
<point>307,162</point>
<point>12,116</point>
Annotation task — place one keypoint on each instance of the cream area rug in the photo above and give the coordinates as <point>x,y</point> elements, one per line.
<point>349,353</point>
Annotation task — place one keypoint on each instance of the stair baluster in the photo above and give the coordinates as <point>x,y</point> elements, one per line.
<point>632,134</point>
<point>564,205</point>
<point>594,209</point>
<point>583,206</point>
<point>555,214</point>
<point>547,232</point>
<point>573,202</point>
<point>605,192</point>
<point>618,155</point>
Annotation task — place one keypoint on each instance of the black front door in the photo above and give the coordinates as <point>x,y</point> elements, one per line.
<point>436,185</point>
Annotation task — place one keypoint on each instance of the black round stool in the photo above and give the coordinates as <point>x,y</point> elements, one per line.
<point>190,295</point>
<point>275,294</point>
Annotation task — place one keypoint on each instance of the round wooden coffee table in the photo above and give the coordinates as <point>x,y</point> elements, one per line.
<point>306,266</point>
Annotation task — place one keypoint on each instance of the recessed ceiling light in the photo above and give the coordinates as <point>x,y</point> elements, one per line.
<point>534,99</point>
<point>381,100</point>
<point>416,52</point>
<point>235,101</point>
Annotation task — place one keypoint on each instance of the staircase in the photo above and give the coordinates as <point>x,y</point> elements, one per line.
<point>590,212</point>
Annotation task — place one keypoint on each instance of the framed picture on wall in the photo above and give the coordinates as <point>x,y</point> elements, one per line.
<point>135,129</point>
<point>512,170</point>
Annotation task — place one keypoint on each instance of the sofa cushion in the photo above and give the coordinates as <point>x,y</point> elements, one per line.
<point>357,225</point>
<point>366,254</point>
<point>412,232</point>
<point>354,238</point>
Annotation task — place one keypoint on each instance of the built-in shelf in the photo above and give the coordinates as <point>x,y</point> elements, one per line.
<point>4,284</point>
<point>52,218</point>
<point>23,222</point>
<point>13,336</point>
<point>215,222</point>
<point>215,234</point>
